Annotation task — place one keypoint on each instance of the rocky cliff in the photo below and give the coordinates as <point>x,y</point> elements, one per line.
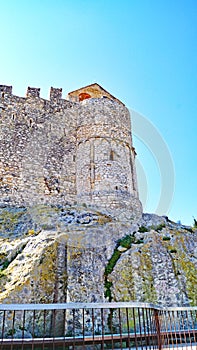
<point>74,253</point>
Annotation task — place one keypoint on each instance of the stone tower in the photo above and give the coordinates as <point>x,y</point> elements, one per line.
<point>105,157</point>
<point>67,151</point>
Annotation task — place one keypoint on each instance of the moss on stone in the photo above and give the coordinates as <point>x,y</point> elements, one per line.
<point>9,219</point>
<point>189,270</point>
<point>146,273</point>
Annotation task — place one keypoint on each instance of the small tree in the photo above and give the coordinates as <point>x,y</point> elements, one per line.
<point>195,222</point>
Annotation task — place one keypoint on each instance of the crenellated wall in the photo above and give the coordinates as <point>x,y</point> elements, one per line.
<point>57,151</point>
<point>37,149</point>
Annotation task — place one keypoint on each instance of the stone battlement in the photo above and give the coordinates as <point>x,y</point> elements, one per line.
<point>4,89</point>
<point>55,93</point>
<point>74,150</point>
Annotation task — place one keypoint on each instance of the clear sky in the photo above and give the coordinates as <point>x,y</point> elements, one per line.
<point>142,51</point>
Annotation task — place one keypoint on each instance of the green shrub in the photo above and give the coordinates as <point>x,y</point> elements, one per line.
<point>143,229</point>
<point>139,241</point>
<point>108,286</point>
<point>11,332</point>
<point>173,251</point>
<point>189,229</point>
<point>159,227</point>
<point>5,264</point>
<point>112,262</point>
<point>166,238</point>
<point>195,223</point>
<point>126,241</point>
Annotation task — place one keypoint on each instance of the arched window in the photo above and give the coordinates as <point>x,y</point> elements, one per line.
<point>84,96</point>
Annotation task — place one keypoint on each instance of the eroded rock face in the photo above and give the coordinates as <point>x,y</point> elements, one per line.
<point>62,254</point>
<point>160,266</point>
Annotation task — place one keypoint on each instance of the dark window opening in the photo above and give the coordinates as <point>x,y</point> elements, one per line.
<point>111,157</point>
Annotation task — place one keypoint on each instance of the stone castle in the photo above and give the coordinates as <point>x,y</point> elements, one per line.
<point>76,150</point>
<point>71,221</point>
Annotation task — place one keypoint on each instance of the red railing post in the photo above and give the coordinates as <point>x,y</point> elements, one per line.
<point>158,328</point>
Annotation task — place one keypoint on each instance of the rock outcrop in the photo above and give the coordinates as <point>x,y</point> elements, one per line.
<point>74,253</point>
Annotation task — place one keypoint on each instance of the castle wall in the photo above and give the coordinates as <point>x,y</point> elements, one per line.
<point>37,149</point>
<point>58,152</point>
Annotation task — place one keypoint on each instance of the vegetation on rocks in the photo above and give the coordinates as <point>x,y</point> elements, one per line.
<point>152,260</point>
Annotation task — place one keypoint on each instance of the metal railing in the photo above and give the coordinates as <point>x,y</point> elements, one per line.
<point>96,326</point>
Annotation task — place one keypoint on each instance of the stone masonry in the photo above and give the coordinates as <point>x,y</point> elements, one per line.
<point>74,151</point>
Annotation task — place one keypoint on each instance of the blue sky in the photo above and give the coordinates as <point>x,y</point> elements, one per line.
<point>143,52</point>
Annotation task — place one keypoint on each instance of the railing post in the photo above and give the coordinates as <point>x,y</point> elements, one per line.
<point>158,328</point>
